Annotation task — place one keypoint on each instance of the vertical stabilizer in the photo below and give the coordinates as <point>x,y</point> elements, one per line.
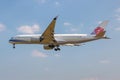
<point>100,30</point>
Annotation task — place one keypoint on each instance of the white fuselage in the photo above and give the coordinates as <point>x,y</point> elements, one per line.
<point>49,40</point>
<point>62,39</point>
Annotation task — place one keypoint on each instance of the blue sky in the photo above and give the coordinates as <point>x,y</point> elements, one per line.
<point>98,60</point>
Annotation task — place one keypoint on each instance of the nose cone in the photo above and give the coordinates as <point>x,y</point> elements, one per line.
<point>11,40</point>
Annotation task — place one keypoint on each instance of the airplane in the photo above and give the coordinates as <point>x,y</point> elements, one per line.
<point>51,41</point>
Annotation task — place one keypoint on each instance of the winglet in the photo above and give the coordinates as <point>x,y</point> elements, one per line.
<point>56,18</point>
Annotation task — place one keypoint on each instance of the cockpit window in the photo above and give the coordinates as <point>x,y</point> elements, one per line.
<point>13,38</point>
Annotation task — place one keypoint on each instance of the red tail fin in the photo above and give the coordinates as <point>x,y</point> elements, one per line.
<point>100,30</point>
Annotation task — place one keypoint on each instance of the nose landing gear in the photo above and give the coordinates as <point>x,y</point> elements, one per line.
<point>13,46</point>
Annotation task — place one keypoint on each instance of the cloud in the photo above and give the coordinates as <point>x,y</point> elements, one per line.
<point>117,14</point>
<point>67,24</point>
<point>57,3</point>
<point>117,17</point>
<point>104,62</point>
<point>73,29</point>
<point>118,10</point>
<point>37,53</point>
<point>2,27</point>
<point>29,29</point>
<point>57,55</point>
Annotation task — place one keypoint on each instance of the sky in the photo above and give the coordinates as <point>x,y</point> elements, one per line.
<point>97,60</point>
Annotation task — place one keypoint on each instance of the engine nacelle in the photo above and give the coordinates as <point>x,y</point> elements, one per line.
<point>48,47</point>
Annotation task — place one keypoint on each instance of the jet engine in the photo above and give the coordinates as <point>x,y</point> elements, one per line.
<point>48,47</point>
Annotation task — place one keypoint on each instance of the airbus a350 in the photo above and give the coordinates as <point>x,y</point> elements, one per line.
<point>50,40</point>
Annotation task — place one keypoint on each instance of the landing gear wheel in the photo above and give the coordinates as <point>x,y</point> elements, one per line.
<point>57,49</point>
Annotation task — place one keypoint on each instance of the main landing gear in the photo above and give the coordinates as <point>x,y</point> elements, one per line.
<point>57,49</point>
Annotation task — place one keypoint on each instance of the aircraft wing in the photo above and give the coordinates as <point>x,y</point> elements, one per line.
<point>48,35</point>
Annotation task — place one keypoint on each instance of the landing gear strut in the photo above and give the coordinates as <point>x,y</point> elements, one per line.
<point>13,46</point>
